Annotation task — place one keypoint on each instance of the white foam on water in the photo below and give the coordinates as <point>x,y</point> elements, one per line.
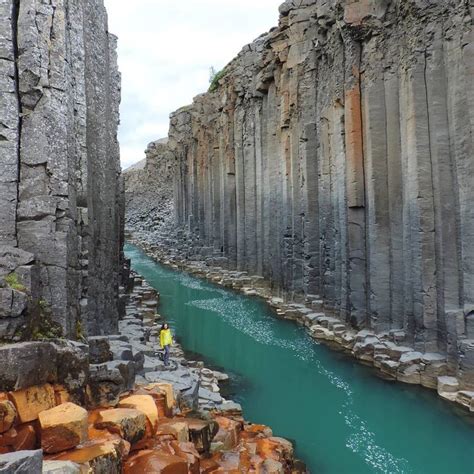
<point>361,441</point>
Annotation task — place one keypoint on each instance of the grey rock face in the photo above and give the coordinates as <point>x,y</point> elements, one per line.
<point>36,363</point>
<point>335,159</point>
<point>61,198</point>
<point>22,462</point>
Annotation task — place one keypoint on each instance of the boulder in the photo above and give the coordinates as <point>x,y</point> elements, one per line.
<point>148,461</point>
<point>7,415</point>
<point>201,433</point>
<point>26,364</point>
<point>128,423</point>
<point>63,427</point>
<point>99,349</point>
<point>175,427</point>
<point>35,363</point>
<point>19,438</point>
<point>145,404</point>
<point>61,467</point>
<point>98,456</point>
<point>30,402</point>
<point>229,431</point>
<point>106,383</point>
<point>448,387</point>
<point>21,462</point>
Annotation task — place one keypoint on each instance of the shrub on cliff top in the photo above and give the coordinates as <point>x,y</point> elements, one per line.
<point>215,77</point>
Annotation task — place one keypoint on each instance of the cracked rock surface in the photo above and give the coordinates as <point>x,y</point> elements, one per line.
<point>60,191</point>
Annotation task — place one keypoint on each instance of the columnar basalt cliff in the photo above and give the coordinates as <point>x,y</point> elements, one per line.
<point>334,157</point>
<point>61,200</point>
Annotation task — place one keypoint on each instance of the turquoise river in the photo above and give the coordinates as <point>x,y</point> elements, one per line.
<point>342,418</point>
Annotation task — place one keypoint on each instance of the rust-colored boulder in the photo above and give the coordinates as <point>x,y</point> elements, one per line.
<point>147,462</point>
<point>275,448</point>
<point>128,423</point>
<point>19,438</point>
<point>175,427</point>
<point>229,431</point>
<point>63,427</point>
<point>188,452</point>
<point>30,402</point>
<point>167,390</point>
<point>201,433</point>
<point>145,404</point>
<point>101,456</point>
<point>7,415</point>
<point>61,394</point>
<point>160,400</point>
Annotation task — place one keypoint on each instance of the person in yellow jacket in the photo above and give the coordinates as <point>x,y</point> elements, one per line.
<point>166,339</point>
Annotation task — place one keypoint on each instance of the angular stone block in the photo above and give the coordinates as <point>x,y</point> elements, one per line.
<point>7,415</point>
<point>30,402</point>
<point>63,427</point>
<point>128,423</point>
<point>145,404</point>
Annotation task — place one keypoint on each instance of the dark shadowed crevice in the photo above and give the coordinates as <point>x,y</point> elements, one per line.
<point>14,22</point>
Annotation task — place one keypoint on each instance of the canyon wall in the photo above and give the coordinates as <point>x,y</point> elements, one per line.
<point>334,157</point>
<point>149,189</point>
<point>61,200</point>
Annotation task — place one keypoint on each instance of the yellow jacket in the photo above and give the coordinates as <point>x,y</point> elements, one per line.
<point>165,337</point>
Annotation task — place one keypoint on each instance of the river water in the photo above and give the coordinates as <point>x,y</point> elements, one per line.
<point>342,418</point>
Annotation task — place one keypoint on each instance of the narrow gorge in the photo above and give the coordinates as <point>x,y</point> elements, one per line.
<point>334,158</point>
<point>298,251</point>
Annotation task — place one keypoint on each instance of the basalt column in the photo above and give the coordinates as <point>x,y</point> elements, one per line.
<point>60,212</point>
<point>338,152</point>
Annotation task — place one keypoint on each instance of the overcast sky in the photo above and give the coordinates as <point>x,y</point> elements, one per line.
<point>166,48</point>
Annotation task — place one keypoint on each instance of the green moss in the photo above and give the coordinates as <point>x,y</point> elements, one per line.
<point>215,78</point>
<point>80,336</point>
<point>42,324</point>
<point>14,283</point>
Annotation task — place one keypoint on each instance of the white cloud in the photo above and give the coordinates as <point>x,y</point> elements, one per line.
<point>166,48</point>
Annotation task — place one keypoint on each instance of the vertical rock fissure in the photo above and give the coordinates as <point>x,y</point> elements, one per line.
<point>15,19</point>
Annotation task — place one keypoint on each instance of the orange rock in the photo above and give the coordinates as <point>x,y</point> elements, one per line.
<point>19,438</point>
<point>61,395</point>
<point>251,432</point>
<point>186,451</point>
<point>167,390</point>
<point>201,433</point>
<point>209,466</point>
<point>275,448</point>
<point>7,415</point>
<point>147,462</point>
<point>129,423</point>
<point>175,427</point>
<point>145,404</point>
<point>160,401</point>
<point>97,456</point>
<point>29,402</point>
<point>63,427</point>
<point>229,431</point>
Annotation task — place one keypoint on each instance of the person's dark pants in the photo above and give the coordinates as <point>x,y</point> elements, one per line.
<point>166,359</point>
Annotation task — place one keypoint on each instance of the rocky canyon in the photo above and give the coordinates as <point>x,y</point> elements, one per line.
<point>334,158</point>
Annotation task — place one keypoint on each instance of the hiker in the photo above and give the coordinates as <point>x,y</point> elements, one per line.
<point>165,341</point>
